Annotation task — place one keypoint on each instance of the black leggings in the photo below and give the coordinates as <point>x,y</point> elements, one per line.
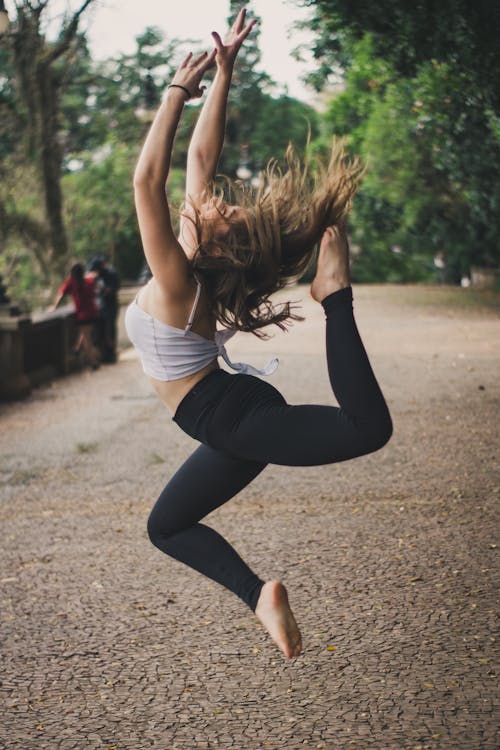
<point>243,424</point>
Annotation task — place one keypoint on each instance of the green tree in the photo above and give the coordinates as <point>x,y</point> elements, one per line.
<point>11,122</point>
<point>98,123</point>
<point>462,33</point>
<point>100,213</point>
<point>113,98</point>
<point>423,112</point>
<point>282,120</point>
<point>39,78</point>
<point>246,98</point>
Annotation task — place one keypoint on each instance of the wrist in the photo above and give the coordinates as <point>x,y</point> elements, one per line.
<point>226,72</point>
<point>177,91</point>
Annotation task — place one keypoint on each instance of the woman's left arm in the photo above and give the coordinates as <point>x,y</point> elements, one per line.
<point>208,136</point>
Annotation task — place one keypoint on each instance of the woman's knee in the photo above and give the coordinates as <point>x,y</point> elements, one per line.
<point>153,530</point>
<point>158,530</point>
<point>381,432</point>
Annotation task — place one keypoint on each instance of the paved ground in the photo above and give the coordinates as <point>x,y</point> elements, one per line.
<point>389,559</point>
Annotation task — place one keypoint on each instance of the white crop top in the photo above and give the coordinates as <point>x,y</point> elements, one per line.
<point>169,353</point>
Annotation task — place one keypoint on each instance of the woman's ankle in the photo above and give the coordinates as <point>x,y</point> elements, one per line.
<point>338,298</point>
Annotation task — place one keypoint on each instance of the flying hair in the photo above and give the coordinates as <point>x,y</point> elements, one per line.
<point>284,218</point>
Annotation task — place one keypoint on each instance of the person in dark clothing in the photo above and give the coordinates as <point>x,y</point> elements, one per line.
<point>108,284</point>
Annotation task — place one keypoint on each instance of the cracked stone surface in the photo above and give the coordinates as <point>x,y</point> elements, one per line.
<point>389,559</point>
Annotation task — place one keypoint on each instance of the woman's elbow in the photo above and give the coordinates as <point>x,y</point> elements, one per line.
<point>145,179</point>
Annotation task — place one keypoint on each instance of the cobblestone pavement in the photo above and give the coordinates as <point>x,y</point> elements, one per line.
<point>389,560</point>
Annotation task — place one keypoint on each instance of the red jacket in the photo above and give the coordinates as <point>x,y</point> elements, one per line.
<point>84,298</point>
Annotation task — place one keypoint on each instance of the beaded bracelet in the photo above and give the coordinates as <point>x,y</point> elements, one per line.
<point>178,86</point>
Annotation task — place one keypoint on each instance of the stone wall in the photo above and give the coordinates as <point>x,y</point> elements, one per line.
<point>34,349</point>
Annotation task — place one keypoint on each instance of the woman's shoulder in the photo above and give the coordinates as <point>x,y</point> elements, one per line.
<point>171,306</point>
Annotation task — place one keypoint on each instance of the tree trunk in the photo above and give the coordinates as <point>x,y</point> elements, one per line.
<point>50,162</point>
<point>39,90</point>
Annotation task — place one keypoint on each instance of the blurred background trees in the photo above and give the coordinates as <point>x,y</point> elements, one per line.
<point>71,128</point>
<point>413,88</point>
<point>420,102</point>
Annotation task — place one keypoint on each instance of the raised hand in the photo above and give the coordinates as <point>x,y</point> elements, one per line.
<point>227,50</point>
<point>191,72</point>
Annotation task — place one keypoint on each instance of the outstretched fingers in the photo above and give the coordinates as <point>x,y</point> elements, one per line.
<point>206,59</point>
<point>242,35</point>
<point>191,72</point>
<point>219,45</point>
<point>239,20</point>
<point>203,60</point>
<point>227,49</point>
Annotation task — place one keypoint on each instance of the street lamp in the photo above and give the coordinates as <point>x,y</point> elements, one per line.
<point>243,171</point>
<point>4,18</point>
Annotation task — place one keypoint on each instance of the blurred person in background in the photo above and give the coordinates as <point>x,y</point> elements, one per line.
<point>108,284</point>
<point>82,288</point>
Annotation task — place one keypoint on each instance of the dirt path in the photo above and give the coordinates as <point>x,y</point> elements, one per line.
<point>389,559</point>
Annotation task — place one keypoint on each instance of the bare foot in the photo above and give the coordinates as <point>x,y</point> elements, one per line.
<point>332,272</point>
<point>273,610</point>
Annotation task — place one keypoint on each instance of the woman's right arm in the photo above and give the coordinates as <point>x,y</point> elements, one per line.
<point>61,293</point>
<point>163,253</point>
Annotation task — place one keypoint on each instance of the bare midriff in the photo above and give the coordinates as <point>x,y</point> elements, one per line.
<point>172,392</point>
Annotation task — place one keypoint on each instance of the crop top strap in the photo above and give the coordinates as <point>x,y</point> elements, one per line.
<point>193,309</point>
<point>221,337</point>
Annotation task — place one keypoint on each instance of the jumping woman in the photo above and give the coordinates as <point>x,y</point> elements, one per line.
<point>227,261</point>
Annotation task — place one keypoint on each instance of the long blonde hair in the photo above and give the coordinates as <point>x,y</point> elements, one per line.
<point>284,218</point>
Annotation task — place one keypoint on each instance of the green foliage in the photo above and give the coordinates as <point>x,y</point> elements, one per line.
<point>365,83</point>
<point>105,99</point>
<point>462,33</point>
<point>247,97</point>
<point>10,118</point>
<point>282,120</point>
<point>99,208</point>
<point>99,124</point>
<point>422,111</point>
<point>22,277</point>
<point>260,123</point>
